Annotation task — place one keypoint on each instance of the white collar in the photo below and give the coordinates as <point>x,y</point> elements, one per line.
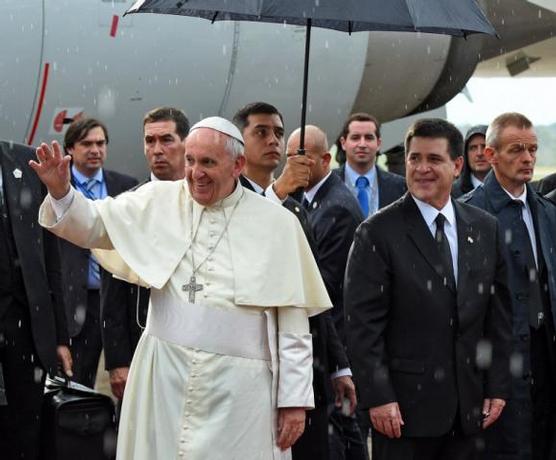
<point>522,197</point>
<point>256,187</point>
<point>310,194</point>
<point>475,182</point>
<point>430,213</point>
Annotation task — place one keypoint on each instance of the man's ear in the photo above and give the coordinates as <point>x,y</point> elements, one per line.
<point>458,166</point>
<point>326,158</point>
<point>343,142</point>
<point>239,164</point>
<point>490,154</point>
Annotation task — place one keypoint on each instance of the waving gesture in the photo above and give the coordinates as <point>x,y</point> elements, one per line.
<point>53,169</point>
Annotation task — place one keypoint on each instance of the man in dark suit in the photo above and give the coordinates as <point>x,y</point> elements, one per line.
<point>124,306</point>
<point>86,141</point>
<point>475,165</point>
<point>373,187</point>
<point>33,333</point>
<point>427,311</point>
<point>334,215</point>
<point>527,223</point>
<point>262,128</point>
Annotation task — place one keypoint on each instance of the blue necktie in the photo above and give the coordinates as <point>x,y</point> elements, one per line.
<point>90,185</point>
<point>94,269</point>
<point>362,183</point>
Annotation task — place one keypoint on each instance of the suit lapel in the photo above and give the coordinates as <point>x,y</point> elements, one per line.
<point>13,186</point>
<point>421,236</point>
<point>544,245</point>
<point>243,180</point>
<point>383,189</point>
<point>470,250</point>
<point>323,191</point>
<point>113,187</point>
<point>20,190</point>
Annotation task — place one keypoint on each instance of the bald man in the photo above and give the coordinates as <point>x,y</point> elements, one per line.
<point>334,214</point>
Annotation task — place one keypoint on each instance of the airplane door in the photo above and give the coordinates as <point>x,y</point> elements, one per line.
<point>21,70</point>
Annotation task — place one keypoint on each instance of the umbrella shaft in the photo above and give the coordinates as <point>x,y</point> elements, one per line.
<point>301,150</point>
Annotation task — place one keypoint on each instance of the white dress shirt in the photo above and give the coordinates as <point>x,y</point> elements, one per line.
<point>475,182</point>
<point>311,193</point>
<point>430,213</point>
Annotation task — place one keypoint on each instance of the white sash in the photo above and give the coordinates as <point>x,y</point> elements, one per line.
<point>212,329</point>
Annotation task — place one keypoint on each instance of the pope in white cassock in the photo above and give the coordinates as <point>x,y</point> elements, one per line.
<point>224,367</point>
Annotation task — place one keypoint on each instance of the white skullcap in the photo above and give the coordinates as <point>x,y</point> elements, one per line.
<point>221,125</point>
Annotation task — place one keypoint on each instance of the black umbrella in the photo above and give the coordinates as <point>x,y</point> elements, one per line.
<point>452,17</point>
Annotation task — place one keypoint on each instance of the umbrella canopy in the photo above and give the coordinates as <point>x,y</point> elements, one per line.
<point>451,17</point>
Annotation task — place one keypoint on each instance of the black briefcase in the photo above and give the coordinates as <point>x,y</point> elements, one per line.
<point>78,423</point>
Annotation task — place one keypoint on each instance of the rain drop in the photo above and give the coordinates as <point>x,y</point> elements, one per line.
<point>484,354</point>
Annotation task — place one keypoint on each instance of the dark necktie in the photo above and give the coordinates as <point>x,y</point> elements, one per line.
<point>535,304</point>
<point>305,203</point>
<point>444,250</point>
<point>362,197</point>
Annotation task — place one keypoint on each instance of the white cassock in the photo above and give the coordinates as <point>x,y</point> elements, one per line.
<point>207,377</point>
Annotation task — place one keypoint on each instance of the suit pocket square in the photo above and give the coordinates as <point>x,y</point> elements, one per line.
<point>407,365</point>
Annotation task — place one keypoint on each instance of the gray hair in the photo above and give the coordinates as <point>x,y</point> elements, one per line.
<point>233,147</point>
<point>501,122</point>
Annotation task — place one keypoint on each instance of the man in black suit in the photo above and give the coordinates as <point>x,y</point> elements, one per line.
<point>527,223</point>
<point>262,128</point>
<point>334,215</point>
<point>33,331</point>
<point>428,311</point>
<point>475,165</point>
<point>124,306</point>
<point>373,187</point>
<point>86,141</point>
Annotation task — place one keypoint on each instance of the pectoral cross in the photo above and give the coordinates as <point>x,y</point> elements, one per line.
<point>192,287</point>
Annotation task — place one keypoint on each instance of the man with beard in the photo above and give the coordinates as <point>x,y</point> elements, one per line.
<point>475,165</point>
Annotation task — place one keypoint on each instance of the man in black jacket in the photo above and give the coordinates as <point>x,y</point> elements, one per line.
<point>373,187</point>
<point>86,141</point>
<point>334,215</point>
<point>263,131</point>
<point>527,223</point>
<point>475,165</point>
<point>427,311</point>
<point>33,331</point>
<point>124,306</point>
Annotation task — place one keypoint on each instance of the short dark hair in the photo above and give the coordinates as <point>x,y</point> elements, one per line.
<point>169,114</point>
<point>241,116</point>
<point>78,130</point>
<point>437,128</point>
<point>515,119</point>
<point>360,116</point>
